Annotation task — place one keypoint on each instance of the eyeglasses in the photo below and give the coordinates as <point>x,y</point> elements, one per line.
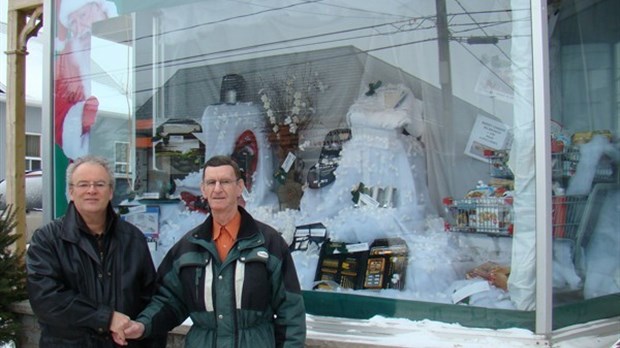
<point>223,182</point>
<point>85,185</point>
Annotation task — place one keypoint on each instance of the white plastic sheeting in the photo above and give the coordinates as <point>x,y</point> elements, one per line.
<point>522,280</point>
<point>395,42</point>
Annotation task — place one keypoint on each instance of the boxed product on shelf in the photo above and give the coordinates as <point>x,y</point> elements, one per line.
<point>307,234</point>
<point>381,264</point>
<point>387,264</point>
<point>341,264</point>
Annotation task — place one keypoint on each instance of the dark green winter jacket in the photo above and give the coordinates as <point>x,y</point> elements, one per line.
<point>252,299</point>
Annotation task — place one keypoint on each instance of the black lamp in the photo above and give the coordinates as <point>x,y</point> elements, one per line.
<point>232,89</point>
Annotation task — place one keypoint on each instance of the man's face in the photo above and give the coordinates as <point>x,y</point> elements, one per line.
<point>221,188</point>
<point>90,189</point>
<point>82,19</point>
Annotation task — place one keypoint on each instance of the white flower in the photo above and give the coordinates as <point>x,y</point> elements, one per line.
<point>288,99</point>
<point>304,145</point>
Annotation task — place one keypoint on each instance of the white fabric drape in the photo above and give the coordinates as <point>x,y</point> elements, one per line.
<point>522,281</point>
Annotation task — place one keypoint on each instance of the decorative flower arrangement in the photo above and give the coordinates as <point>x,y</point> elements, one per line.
<point>289,102</point>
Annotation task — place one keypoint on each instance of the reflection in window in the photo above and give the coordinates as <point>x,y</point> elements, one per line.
<point>33,152</point>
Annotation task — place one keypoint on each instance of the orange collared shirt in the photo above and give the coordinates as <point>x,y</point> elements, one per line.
<point>225,236</point>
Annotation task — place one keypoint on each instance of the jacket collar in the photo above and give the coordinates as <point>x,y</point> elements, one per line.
<point>73,224</point>
<point>248,227</point>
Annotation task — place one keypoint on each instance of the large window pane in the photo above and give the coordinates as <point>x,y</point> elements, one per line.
<point>399,133</point>
<point>584,86</point>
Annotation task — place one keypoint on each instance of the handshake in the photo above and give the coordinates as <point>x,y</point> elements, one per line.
<point>123,328</point>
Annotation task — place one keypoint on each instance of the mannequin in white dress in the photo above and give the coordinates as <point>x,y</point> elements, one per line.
<point>383,151</point>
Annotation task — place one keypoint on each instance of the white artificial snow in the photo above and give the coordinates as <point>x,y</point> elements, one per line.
<point>589,156</point>
<point>602,259</point>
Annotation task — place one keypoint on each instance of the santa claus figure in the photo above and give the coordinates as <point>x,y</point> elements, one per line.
<point>75,109</point>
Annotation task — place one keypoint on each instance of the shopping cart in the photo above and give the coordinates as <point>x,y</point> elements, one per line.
<point>498,164</point>
<point>564,165</point>
<point>567,212</point>
<point>487,215</point>
<point>589,221</point>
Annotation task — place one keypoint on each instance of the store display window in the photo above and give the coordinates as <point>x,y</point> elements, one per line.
<point>391,143</point>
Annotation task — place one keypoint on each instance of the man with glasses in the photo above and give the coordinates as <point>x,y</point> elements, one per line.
<point>88,271</point>
<point>232,275</point>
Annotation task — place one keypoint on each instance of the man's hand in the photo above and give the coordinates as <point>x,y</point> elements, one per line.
<point>134,330</point>
<point>117,326</point>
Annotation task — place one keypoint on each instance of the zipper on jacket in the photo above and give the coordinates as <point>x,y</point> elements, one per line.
<point>234,311</point>
<point>197,282</point>
<point>100,246</point>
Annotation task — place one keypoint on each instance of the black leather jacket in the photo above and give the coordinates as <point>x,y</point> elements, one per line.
<point>73,291</point>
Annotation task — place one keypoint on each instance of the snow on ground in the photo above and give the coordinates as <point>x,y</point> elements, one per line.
<point>393,332</point>
<point>380,331</point>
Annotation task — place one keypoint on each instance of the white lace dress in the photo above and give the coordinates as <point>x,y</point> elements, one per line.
<point>378,154</point>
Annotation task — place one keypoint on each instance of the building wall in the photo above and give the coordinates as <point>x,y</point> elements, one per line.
<point>33,125</point>
<point>29,337</point>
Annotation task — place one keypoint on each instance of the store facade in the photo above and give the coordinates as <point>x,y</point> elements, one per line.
<point>449,160</point>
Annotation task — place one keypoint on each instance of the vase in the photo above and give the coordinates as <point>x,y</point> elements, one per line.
<point>289,187</point>
<point>284,142</point>
<point>289,193</point>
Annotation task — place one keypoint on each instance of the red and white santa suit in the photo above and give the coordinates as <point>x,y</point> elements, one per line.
<point>75,109</point>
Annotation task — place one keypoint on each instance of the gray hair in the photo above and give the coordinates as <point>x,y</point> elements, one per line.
<point>89,159</point>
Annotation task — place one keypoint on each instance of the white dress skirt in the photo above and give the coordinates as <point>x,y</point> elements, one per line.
<point>379,154</point>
